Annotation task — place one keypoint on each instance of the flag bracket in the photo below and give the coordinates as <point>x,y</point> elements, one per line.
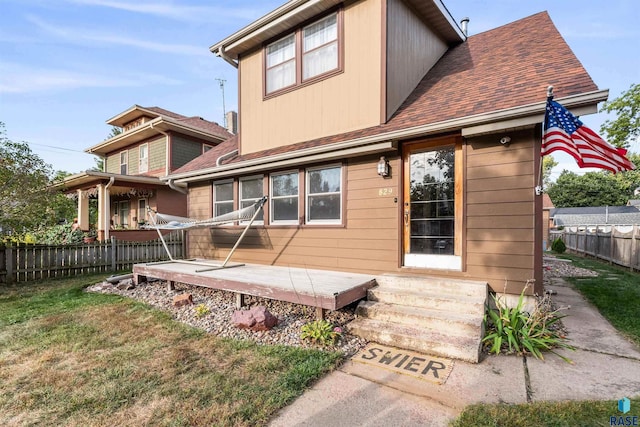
<point>539,190</point>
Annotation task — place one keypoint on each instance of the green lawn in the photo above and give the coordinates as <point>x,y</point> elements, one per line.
<point>72,358</point>
<point>616,294</point>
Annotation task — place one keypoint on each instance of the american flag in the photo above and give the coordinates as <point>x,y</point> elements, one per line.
<point>564,132</point>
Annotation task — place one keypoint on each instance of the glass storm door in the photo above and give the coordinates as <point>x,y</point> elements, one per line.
<point>430,206</point>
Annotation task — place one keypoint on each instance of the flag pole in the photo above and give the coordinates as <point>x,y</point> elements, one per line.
<point>539,188</point>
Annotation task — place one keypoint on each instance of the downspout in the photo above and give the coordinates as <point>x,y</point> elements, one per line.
<point>173,186</point>
<point>225,157</point>
<point>107,208</point>
<point>221,53</point>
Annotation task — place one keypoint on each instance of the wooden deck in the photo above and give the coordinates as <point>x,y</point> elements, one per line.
<point>327,290</point>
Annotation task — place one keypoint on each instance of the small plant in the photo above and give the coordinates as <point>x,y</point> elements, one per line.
<point>320,332</point>
<point>558,246</point>
<point>201,310</point>
<point>512,329</point>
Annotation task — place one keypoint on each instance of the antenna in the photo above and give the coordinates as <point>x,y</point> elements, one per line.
<point>224,111</point>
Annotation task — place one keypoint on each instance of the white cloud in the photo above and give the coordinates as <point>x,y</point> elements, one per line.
<point>82,36</point>
<point>175,11</point>
<point>15,78</point>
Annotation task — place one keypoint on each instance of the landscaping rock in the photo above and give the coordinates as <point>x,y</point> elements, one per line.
<point>125,285</point>
<point>183,299</point>
<point>257,319</point>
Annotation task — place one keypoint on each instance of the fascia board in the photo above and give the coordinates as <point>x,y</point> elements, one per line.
<point>271,163</point>
<point>531,110</point>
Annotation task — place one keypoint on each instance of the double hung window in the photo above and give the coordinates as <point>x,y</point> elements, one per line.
<point>124,159</point>
<point>308,52</point>
<point>223,198</point>
<point>324,195</point>
<point>250,192</point>
<point>144,159</point>
<point>284,198</point>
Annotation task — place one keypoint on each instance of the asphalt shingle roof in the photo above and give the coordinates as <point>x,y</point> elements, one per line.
<point>503,68</point>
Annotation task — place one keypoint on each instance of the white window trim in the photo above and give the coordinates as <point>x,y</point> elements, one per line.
<point>307,194</point>
<point>143,215</point>
<point>240,199</point>
<point>272,197</point>
<point>146,166</point>
<point>126,163</point>
<point>213,188</point>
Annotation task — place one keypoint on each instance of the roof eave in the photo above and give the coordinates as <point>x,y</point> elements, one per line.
<point>161,124</point>
<point>532,112</point>
<point>294,12</point>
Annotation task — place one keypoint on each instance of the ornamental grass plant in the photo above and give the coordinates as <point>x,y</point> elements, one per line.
<point>515,330</point>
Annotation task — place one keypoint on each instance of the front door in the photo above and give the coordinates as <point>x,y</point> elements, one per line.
<point>432,204</point>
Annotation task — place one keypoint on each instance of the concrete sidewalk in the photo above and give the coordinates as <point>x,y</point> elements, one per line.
<point>606,367</point>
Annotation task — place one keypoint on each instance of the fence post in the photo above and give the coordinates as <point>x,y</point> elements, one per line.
<point>634,247</point>
<point>183,237</point>
<point>9,255</point>
<point>113,253</point>
<point>611,240</point>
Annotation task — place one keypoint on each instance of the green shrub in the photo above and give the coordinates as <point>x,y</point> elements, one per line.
<point>201,310</point>
<point>513,330</point>
<point>558,246</point>
<point>320,332</point>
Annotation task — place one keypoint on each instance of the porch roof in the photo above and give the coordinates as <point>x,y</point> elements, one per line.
<point>88,179</point>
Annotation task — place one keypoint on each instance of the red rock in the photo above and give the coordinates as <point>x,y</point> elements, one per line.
<point>184,299</point>
<point>257,319</point>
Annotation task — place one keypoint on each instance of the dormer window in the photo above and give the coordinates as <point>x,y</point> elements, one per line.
<point>309,53</point>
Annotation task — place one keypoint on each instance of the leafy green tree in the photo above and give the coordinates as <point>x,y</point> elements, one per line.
<point>99,166</point>
<point>64,208</point>
<point>591,189</point>
<point>626,126</point>
<point>24,201</point>
<point>548,163</point>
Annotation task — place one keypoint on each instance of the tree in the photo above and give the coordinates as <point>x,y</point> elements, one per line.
<point>626,126</point>
<point>25,202</point>
<point>115,131</point>
<point>591,189</point>
<point>548,163</point>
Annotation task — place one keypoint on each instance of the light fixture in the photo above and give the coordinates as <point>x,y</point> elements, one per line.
<point>383,167</point>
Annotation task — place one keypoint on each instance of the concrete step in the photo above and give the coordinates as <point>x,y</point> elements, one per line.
<point>439,285</point>
<point>446,322</point>
<point>418,339</point>
<point>429,299</point>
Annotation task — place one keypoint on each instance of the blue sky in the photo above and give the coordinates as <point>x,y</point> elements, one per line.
<point>66,66</point>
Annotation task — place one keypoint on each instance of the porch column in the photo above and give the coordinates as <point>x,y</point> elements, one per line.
<point>83,210</point>
<point>104,212</point>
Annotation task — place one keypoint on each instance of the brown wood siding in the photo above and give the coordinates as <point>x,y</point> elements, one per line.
<point>412,49</point>
<point>341,103</point>
<point>367,241</point>
<point>499,221</point>
<point>500,217</point>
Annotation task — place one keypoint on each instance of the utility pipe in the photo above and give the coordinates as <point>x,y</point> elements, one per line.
<point>225,157</point>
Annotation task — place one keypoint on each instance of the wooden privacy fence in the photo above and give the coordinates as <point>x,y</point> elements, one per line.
<point>618,244</point>
<point>23,262</point>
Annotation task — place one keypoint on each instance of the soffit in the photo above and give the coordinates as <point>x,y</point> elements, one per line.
<point>295,12</point>
<point>146,131</point>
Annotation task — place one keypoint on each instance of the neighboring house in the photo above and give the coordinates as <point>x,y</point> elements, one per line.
<point>599,215</point>
<point>154,142</point>
<point>387,141</point>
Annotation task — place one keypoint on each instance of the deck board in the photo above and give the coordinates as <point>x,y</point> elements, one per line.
<point>325,289</point>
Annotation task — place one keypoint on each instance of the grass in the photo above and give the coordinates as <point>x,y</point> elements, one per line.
<point>72,358</point>
<point>542,414</point>
<point>616,294</point>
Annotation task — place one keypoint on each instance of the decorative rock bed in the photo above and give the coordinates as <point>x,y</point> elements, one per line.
<point>291,317</point>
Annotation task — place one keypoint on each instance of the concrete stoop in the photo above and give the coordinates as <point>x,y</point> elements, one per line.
<point>437,316</point>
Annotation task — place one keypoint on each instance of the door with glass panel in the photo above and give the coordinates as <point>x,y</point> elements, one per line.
<point>431,205</point>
